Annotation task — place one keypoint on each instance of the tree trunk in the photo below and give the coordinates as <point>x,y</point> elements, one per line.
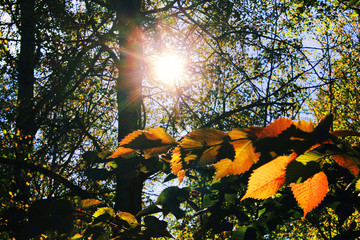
<point>129,83</point>
<point>25,123</point>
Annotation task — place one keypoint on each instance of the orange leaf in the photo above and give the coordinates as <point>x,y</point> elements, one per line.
<point>180,176</point>
<point>245,155</point>
<point>203,137</point>
<point>305,126</point>
<point>276,127</point>
<point>267,179</point>
<point>175,161</point>
<point>121,151</point>
<point>310,193</point>
<point>223,168</point>
<point>345,161</point>
<point>159,134</point>
<point>154,141</point>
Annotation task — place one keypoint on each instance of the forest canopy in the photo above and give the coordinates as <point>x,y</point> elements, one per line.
<point>179,119</point>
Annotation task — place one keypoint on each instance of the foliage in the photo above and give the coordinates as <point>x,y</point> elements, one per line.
<point>72,85</point>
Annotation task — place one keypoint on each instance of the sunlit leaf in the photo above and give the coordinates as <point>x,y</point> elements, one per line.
<point>267,179</point>
<point>309,156</point>
<point>203,137</point>
<point>245,155</point>
<point>129,218</point>
<point>175,161</point>
<point>86,203</point>
<point>104,210</point>
<point>276,127</point>
<point>159,134</point>
<point>152,142</point>
<point>305,126</point>
<point>310,193</point>
<point>346,161</point>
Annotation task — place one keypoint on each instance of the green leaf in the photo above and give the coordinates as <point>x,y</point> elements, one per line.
<point>91,157</point>
<point>297,172</point>
<point>309,156</point>
<point>149,210</point>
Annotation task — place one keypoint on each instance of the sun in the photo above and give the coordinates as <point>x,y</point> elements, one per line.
<point>169,68</point>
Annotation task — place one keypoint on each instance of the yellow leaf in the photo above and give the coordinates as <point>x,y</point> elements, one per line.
<point>310,193</point>
<point>128,217</point>
<point>276,127</point>
<point>104,210</point>
<point>86,203</point>
<point>267,179</point>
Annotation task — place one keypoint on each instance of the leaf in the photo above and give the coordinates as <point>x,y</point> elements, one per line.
<point>203,138</point>
<point>267,179</point>
<point>129,218</point>
<point>310,193</point>
<point>152,142</point>
<point>159,134</point>
<point>180,176</point>
<point>346,161</point>
<point>175,161</point>
<point>309,156</point>
<point>245,155</point>
<point>104,211</point>
<point>121,150</point>
<point>86,203</point>
<point>276,127</point>
<point>305,126</point>
<point>357,185</point>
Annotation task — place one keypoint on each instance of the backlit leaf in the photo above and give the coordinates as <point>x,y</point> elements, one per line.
<point>159,134</point>
<point>152,142</point>
<point>175,161</point>
<point>310,193</point>
<point>129,218</point>
<point>276,127</point>
<point>267,179</point>
<point>346,161</point>
<point>202,138</point>
<point>309,156</point>
<point>104,210</point>
<point>86,203</point>
<point>245,155</point>
<point>305,126</point>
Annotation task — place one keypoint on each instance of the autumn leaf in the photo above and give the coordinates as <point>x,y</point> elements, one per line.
<point>129,218</point>
<point>180,175</point>
<point>175,161</point>
<point>310,193</point>
<point>203,138</point>
<point>305,126</point>
<point>86,203</point>
<point>267,179</point>
<point>152,142</point>
<point>276,127</point>
<point>344,160</point>
<point>159,134</point>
